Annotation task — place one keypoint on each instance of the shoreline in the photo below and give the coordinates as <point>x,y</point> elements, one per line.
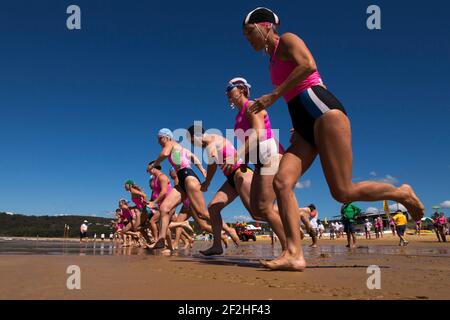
<point>419,271</point>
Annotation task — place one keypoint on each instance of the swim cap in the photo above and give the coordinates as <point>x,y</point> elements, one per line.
<point>238,83</point>
<point>261,14</point>
<point>196,130</point>
<point>165,133</point>
<point>158,167</point>
<point>130,182</point>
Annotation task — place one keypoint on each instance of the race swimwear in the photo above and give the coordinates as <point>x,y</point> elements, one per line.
<point>139,202</point>
<point>180,162</point>
<point>182,174</point>
<point>186,203</point>
<point>307,101</point>
<point>230,177</point>
<point>127,214</point>
<point>267,146</point>
<point>156,189</point>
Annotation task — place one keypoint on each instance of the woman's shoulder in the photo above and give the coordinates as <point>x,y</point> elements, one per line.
<point>289,37</point>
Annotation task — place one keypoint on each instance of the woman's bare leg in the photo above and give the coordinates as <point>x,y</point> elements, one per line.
<point>154,224</point>
<point>221,199</point>
<point>181,218</point>
<point>299,155</point>
<point>262,201</point>
<point>170,202</point>
<point>333,137</point>
<point>199,206</point>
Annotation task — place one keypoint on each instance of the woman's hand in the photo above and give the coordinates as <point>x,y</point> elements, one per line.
<point>263,103</point>
<point>205,185</point>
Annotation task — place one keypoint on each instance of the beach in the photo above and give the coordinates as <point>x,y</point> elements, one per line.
<point>419,271</point>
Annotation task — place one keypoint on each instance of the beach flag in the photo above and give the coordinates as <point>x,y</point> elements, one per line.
<point>386,207</point>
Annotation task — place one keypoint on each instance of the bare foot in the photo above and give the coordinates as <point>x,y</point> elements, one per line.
<point>187,226</point>
<point>286,263</point>
<point>160,244</point>
<point>166,252</point>
<point>412,203</point>
<point>313,245</point>
<point>212,251</point>
<point>225,241</point>
<point>234,237</point>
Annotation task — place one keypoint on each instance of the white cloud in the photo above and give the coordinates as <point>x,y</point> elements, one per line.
<point>372,210</point>
<point>373,173</point>
<point>242,218</point>
<point>445,204</point>
<point>388,179</point>
<point>303,185</point>
<point>10,213</point>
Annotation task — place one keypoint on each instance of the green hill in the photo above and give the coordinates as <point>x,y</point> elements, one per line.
<point>18,225</point>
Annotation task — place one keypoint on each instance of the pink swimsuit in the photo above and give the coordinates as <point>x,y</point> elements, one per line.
<point>156,189</point>
<point>244,124</point>
<point>179,160</point>
<point>280,71</point>
<point>229,152</point>
<point>139,202</point>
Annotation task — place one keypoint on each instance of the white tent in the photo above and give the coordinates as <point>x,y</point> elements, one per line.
<point>252,227</point>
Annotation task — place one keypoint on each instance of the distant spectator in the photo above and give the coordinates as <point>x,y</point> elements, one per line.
<point>379,227</point>
<point>320,228</point>
<point>83,231</point>
<point>418,226</point>
<point>349,212</point>
<point>367,228</point>
<point>392,225</point>
<point>401,220</point>
<point>439,224</point>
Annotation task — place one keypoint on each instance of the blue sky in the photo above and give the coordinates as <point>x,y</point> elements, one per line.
<point>80,109</point>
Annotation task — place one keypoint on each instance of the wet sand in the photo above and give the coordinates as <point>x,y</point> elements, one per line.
<point>37,270</point>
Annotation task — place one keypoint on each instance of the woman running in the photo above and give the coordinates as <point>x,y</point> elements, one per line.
<point>255,133</point>
<point>322,128</point>
<point>238,182</point>
<point>188,186</point>
<point>133,218</point>
<point>186,212</point>
<point>138,196</point>
<point>161,187</point>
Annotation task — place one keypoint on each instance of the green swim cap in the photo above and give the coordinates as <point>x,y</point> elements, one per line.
<point>130,182</point>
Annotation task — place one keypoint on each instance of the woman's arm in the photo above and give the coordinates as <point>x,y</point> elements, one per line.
<point>196,162</point>
<point>135,191</point>
<point>212,164</point>
<point>165,153</point>
<point>163,182</point>
<point>257,124</point>
<point>297,52</point>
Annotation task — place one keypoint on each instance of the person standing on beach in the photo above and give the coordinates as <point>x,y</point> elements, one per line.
<point>392,225</point>
<point>320,228</point>
<point>401,220</point>
<point>367,228</point>
<point>322,128</point>
<point>418,226</point>
<point>83,231</point>
<point>349,212</point>
<point>379,227</point>
<point>439,223</point>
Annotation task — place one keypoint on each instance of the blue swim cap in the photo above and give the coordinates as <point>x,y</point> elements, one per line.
<point>165,133</point>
